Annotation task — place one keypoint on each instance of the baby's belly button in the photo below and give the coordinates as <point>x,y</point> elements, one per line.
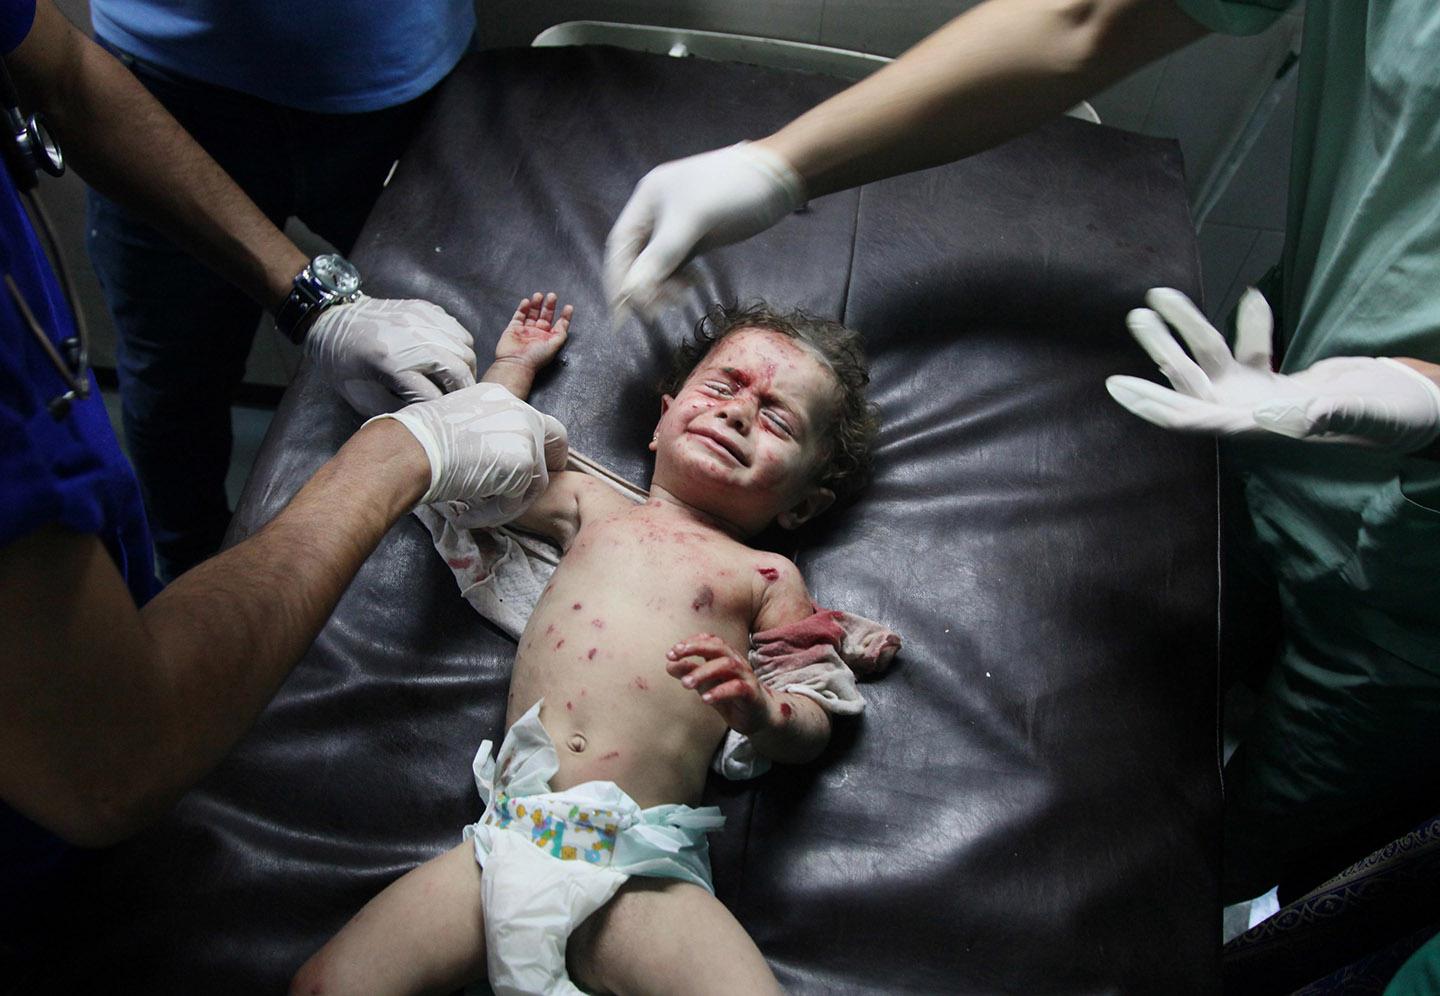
<point>577,743</point>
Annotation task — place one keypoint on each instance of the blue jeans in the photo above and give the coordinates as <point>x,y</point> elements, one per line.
<point>184,332</point>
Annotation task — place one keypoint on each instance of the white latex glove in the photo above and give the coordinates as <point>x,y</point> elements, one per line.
<point>489,452</point>
<point>1365,400</point>
<point>382,354</point>
<point>682,208</point>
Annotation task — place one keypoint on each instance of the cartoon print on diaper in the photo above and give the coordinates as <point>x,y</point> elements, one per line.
<point>566,831</point>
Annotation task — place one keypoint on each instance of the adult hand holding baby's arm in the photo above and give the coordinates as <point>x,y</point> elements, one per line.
<point>531,340</point>
<point>489,452</point>
<point>784,727</point>
<point>382,354</point>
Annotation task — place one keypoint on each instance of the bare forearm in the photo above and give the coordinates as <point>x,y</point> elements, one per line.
<point>107,714</point>
<point>1430,370</point>
<point>798,731</point>
<point>515,377</point>
<point>227,632</point>
<point>994,72</point>
<point>127,146</point>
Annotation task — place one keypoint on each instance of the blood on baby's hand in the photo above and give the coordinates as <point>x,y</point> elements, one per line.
<point>535,334</point>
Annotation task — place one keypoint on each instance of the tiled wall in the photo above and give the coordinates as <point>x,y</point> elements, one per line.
<point>1202,96</point>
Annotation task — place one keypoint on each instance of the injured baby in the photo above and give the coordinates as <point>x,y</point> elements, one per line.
<point>591,858</point>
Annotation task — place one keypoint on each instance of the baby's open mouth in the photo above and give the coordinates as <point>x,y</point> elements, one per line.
<point>720,441</point>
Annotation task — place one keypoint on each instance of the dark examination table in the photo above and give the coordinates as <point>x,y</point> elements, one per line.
<point>1030,803</point>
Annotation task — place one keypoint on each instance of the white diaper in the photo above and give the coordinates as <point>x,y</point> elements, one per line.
<point>551,859</point>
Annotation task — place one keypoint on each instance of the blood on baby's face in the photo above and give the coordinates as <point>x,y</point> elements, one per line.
<point>745,435</point>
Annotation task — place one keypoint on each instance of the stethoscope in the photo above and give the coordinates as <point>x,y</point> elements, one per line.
<point>30,150</point>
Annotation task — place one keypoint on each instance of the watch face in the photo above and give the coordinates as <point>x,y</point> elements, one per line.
<point>335,273</point>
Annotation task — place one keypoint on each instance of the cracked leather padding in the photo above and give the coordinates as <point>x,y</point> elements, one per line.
<point>1030,802</point>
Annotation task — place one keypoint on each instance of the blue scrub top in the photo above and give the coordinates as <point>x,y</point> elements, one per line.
<point>67,473</point>
<point>331,56</point>
<point>16,17</point>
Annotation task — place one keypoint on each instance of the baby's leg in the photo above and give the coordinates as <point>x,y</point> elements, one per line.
<point>664,936</point>
<point>423,933</point>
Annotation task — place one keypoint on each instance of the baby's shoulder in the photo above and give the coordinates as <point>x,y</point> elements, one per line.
<point>596,497</point>
<point>778,588</point>
<point>772,568</point>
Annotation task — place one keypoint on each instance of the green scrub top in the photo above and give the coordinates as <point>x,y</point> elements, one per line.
<point>1353,529</point>
<point>1420,975</point>
<point>1349,721</point>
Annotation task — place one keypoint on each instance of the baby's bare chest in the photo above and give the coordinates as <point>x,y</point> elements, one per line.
<point>677,572</point>
<point>630,587</point>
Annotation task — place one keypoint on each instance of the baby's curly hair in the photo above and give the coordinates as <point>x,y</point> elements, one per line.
<point>852,431</point>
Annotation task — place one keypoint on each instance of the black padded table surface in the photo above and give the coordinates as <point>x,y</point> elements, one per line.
<point>1029,804</point>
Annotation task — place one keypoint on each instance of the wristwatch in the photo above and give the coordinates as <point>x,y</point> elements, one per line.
<point>327,280</point>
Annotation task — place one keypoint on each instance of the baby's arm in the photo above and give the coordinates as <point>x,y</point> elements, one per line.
<point>569,499</point>
<point>783,726</point>
<point>531,340</point>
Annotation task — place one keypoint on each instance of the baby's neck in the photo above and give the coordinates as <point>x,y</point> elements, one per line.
<point>668,504</point>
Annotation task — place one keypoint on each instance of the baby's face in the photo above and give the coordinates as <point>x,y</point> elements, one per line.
<point>745,436</point>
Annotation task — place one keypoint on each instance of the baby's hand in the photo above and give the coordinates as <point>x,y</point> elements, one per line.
<point>724,680</point>
<point>534,336</point>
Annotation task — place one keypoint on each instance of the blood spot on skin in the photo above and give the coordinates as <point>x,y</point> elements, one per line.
<point>785,711</point>
<point>769,573</point>
<point>569,706</point>
<point>460,563</point>
<point>598,623</point>
<point>576,606</point>
<point>641,684</point>
<point>610,755</point>
<point>704,599</point>
<point>591,655</point>
<point>560,643</point>
<point>549,629</point>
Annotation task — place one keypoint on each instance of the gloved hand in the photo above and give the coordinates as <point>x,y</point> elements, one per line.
<point>382,354</point>
<point>682,208</point>
<point>1364,400</point>
<point>489,452</point>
